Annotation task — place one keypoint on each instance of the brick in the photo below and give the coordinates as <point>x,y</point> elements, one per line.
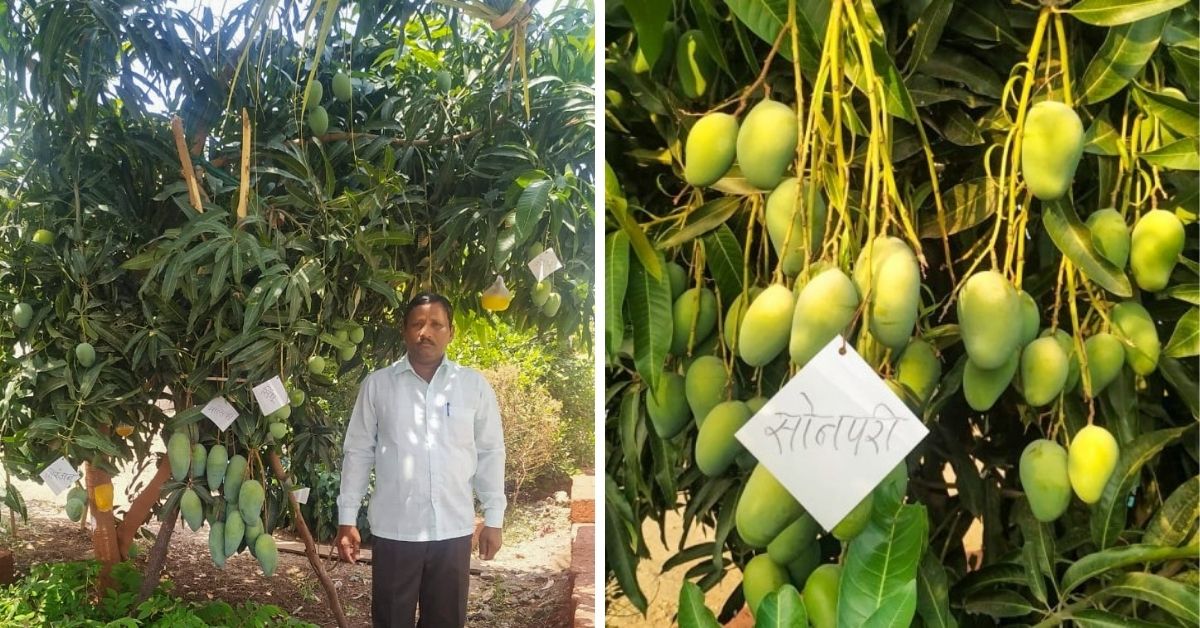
<point>583,575</point>
<point>583,499</point>
<point>742,620</point>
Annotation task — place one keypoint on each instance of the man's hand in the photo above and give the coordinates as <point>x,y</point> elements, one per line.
<point>347,542</point>
<point>490,540</point>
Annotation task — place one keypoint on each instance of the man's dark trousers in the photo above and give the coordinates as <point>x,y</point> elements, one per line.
<point>434,575</point>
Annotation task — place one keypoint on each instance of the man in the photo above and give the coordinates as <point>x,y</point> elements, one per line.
<point>431,430</point>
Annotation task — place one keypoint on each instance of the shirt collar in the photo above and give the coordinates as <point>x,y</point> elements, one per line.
<point>403,364</point>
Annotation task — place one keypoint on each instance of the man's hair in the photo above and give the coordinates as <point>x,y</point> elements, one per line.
<point>427,298</point>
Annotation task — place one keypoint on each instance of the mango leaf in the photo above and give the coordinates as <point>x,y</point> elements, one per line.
<point>765,17</point>
<point>724,255</point>
<point>928,30</point>
<point>1174,597</point>
<point>1093,618</point>
<point>616,280</point>
<point>1182,381</point>
<point>700,221</point>
<point>1176,113</point>
<point>782,608</point>
<point>1108,515</point>
<point>1101,137</point>
<point>531,206</point>
<point>1097,563</point>
<point>971,73</point>
<point>897,609</point>
<point>1116,12</point>
<point>967,204</point>
<point>1186,292</point>
<point>1037,552</point>
<point>999,604</point>
<point>692,611</point>
<point>1185,340</point>
<point>1175,520</point>
<point>1074,239</point>
<point>880,561</point>
<point>933,599</point>
<point>1125,51</point>
<point>1181,154</point>
<point>650,313</point>
<point>619,557</point>
<point>648,18</point>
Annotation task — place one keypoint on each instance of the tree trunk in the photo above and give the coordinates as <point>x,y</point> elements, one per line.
<point>158,557</point>
<point>104,538</point>
<point>310,547</point>
<point>142,507</point>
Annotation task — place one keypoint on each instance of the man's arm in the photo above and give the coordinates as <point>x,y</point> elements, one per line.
<point>357,462</point>
<point>489,470</point>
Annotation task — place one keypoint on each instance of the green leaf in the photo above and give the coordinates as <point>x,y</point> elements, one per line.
<point>1097,563</point>
<point>650,260</point>
<point>765,17</point>
<point>723,253</point>
<point>967,204</point>
<point>1176,113</point>
<point>1177,518</point>
<point>933,600</point>
<point>1183,381</point>
<point>1108,515</point>
<point>1037,552</point>
<point>1093,618</point>
<point>703,219</point>
<point>1101,137</point>
<point>880,561</point>
<point>1116,12</point>
<point>1181,154</point>
<point>531,206</point>
<point>692,611</point>
<point>620,559</point>
<point>987,577</point>
<point>98,443</point>
<point>897,609</point>
<point>999,604</point>
<point>1074,239</point>
<point>650,313</point>
<point>1125,51</point>
<point>928,30</point>
<point>616,280</point>
<point>1185,340</point>
<point>1186,292</point>
<point>1174,597</point>
<point>648,19</point>
<point>966,70</point>
<point>782,608</point>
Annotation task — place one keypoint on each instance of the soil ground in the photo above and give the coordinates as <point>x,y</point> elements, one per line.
<point>526,585</point>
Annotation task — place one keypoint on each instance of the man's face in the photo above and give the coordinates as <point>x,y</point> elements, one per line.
<point>427,331</point>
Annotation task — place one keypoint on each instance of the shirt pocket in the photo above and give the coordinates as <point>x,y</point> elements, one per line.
<point>461,426</point>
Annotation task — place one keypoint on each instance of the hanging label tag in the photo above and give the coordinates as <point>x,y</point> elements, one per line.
<point>60,475</point>
<point>220,412</point>
<point>544,264</point>
<point>301,495</point>
<point>270,395</point>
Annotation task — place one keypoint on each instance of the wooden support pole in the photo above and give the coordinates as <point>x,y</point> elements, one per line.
<point>185,160</point>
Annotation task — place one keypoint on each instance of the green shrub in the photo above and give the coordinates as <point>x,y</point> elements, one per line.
<point>531,420</point>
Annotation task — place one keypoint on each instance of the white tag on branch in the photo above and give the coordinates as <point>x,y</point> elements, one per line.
<point>832,433</point>
<point>544,264</point>
<point>60,475</point>
<point>220,412</point>
<point>271,395</point>
<point>301,495</point>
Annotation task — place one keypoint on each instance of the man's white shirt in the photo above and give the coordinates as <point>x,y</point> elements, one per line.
<point>430,444</point>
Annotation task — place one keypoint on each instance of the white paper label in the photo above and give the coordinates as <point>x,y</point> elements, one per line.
<point>220,412</point>
<point>832,433</point>
<point>544,264</point>
<point>301,495</point>
<point>271,395</point>
<point>60,475</point>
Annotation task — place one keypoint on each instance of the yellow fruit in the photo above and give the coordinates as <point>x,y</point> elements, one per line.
<point>705,384</point>
<point>782,215</point>
<point>989,319</point>
<point>789,545</point>
<point>1030,318</point>
<point>855,521</point>
<point>1157,242</point>
<point>765,330</point>
<point>761,576</point>
<point>102,496</point>
<point>1091,461</point>
<point>700,305</point>
<point>496,297</point>
<point>821,592</point>
<point>1043,469</point>
<point>766,143</point>
<point>710,149</point>
<point>694,64</point>
<point>918,369</point>
<point>764,509</point>
<point>1105,357</point>
<point>667,405</point>
<point>895,292</point>
<point>982,387</point>
<point>1133,324</point>
<point>1044,370</point>
<point>716,446</point>
<point>1110,236</point>
<point>43,237</point>
<point>824,307</point>
<point>737,313</point>
<point>1052,143</point>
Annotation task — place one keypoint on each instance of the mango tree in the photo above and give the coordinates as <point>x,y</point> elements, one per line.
<point>995,204</point>
<point>188,212</point>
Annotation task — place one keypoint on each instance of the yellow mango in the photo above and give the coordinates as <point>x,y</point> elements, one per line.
<point>989,319</point>
<point>766,143</point>
<point>764,508</point>
<point>1157,243</point>
<point>1134,326</point>
<point>716,446</point>
<point>1043,469</point>
<point>821,593</point>
<point>695,304</point>
<point>1105,357</point>
<point>710,148</point>
<point>1110,236</point>
<point>918,369</point>
<point>737,312</point>
<point>704,385</point>
<point>824,307</point>
<point>982,387</point>
<point>1044,370</point>
<point>1030,318</point>
<point>1052,144</point>
<point>1067,342</point>
<point>895,292</point>
<point>767,326</point>
<point>782,215</point>
<point>1090,462</point>
<point>761,576</point>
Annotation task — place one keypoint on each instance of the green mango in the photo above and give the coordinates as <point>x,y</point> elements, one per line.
<point>756,403</point>
<point>254,529</point>
<point>1105,357</point>
<point>75,509</point>
<point>318,120</point>
<point>1157,243</point>
<point>344,354</point>
<point>1091,461</point>
<point>316,365</point>
<point>296,396</point>
<point>1052,144</point>
<point>1067,342</point>
<point>1030,318</point>
<point>85,353</point>
<point>77,493</point>
<point>761,576</point>
<point>764,509</point>
<point>251,496</point>
<point>667,405</point>
<point>918,369</point>
<point>44,237</point>
<point>316,92</point>
<point>267,554</point>
<point>445,82</point>
<point>982,387</point>
<point>700,305</point>
<point>704,385</point>
<point>694,64</point>
<point>235,531</point>
<point>765,330</point>
<point>343,89</point>
<point>216,543</point>
<point>199,460</point>
<point>989,319</point>
<point>214,468</point>
<point>1044,368</point>
<point>716,446</point>
<point>357,334</point>
<point>553,302</point>
<point>1133,324</point>
<point>541,292</point>
<point>234,474</point>
<point>678,277</point>
<point>800,569</point>
<point>179,454</point>
<point>821,596</point>
<point>192,509</point>
<point>824,307</point>
<point>22,315</point>
<point>736,313</point>
<point>1044,477</point>
<point>278,431</point>
<point>710,149</point>
<point>783,216</point>
<point>789,545</point>
<point>855,521</point>
<point>766,143</point>
<point>1110,236</point>
<point>282,414</point>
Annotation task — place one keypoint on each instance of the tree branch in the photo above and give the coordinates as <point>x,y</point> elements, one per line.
<point>158,556</point>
